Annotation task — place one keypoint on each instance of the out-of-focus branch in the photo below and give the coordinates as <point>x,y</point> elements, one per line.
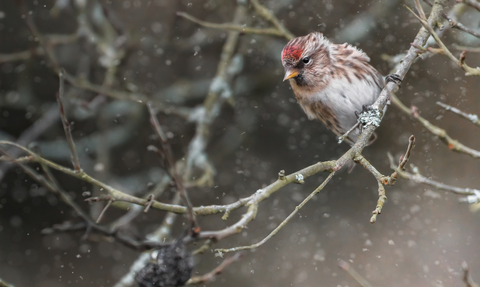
<point>51,185</point>
<point>466,274</point>
<point>218,270</point>
<point>472,195</point>
<point>49,40</point>
<point>220,90</point>
<point>471,117</point>
<point>170,165</point>
<point>440,133</point>
<point>5,284</point>
<point>455,24</point>
<point>233,27</point>
<point>269,16</point>
<point>467,49</point>
<point>32,133</point>
<point>353,273</point>
<point>66,124</point>
<point>473,3</point>
<point>443,49</point>
<point>365,22</point>
<point>204,210</point>
<point>21,56</point>
<point>159,235</point>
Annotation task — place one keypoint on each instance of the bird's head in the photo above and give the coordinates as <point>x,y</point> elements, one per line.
<point>304,57</point>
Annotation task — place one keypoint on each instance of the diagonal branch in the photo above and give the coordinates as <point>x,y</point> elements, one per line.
<point>466,274</point>
<point>460,62</point>
<point>170,165</point>
<point>455,24</point>
<point>353,273</point>
<point>66,124</point>
<point>269,16</point>
<point>210,276</point>
<point>283,223</point>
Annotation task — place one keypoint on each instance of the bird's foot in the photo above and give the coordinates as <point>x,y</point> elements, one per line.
<point>395,78</point>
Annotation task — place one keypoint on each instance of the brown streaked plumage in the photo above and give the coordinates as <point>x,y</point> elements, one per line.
<point>331,81</point>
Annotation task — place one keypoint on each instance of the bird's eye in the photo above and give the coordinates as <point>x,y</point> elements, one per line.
<point>306,60</point>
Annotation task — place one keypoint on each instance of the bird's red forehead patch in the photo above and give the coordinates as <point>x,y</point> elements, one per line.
<point>292,52</point>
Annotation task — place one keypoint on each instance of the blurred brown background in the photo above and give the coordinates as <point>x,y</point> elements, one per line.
<point>420,239</point>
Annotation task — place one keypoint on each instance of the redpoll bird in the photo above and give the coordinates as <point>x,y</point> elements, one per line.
<point>331,82</point>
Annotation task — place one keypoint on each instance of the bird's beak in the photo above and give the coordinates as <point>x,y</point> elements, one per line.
<point>290,74</point>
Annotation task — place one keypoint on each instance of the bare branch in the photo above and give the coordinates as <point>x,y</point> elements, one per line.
<point>66,123</point>
<point>150,199</point>
<point>352,272</point>
<point>109,202</point>
<point>469,70</point>
<point>452,144</point>
<point>472,195</point>
<point>21,56</point>
<point>473,3</point>
<point>269,16</point>
<point>472,117</point>
<point>466,276</point>
<point>211,275</point>
<point>467,49</point>
<point>233,27</point>
<point>283,223</point>
<point>403,160</point>
<point>5,284</point>
<point>382,197</point>
<point>455,24</point>
<point>170,165</point>
<point>219,91</point>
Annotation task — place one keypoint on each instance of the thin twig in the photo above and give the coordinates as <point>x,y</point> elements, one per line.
<point>109,202</point>
<point>455,24</point>
<point>269,16</point>
<point>471,195</point>
<point>5,284</point>
<point>452,144</point>
<point>233,27</point>
<point>403,160</point>
<point>66,124</point>
<point>472,117</point>
<point>345,135</point>
<point>284,222</point>
<point>170,165</point>
<point>352,272</point>
<point>211,275</point>
<point>150,199</point>
<point>469,71</point>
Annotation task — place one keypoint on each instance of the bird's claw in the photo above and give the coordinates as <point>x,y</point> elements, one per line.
<point>395,78</point>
